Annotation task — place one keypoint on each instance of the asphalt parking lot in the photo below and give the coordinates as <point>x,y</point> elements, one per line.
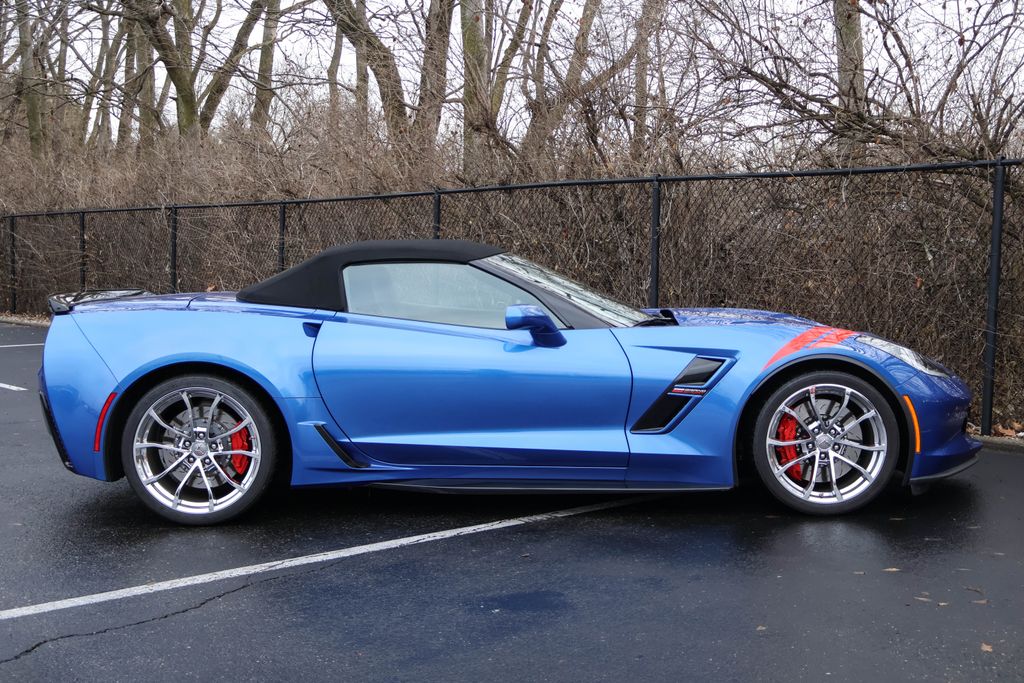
<point>700,586</point>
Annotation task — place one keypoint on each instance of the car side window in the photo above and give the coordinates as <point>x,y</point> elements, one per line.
<point>450,293</point>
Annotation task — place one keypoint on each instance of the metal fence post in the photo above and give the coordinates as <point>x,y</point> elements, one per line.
<point>12,262</point>
<point>174,249</point>
<point>437,214</point>
<point>992,312</point>
<point>652,291</point>
<point>282,228</point>
<point>81,249</point>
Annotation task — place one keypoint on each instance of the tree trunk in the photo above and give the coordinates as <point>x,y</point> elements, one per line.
<point>475,91</point>
<point>222,77</point>
<point>433,76</point>
<point>333,94</point>
<point>265,77</point>
<point>29,82</point>
<point>850,62</point>
<point>146,97</point>
<point>129,89</point>
<point>362,76</point>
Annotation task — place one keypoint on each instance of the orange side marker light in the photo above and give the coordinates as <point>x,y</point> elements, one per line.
<point>917,427</point>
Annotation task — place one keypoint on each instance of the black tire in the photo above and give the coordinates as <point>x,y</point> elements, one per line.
<point>788,484</point>
<point>259,436</point>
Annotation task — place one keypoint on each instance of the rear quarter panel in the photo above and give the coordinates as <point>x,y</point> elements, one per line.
<point>270,345</point>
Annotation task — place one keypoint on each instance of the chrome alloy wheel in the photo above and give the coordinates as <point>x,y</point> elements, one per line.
<point>196,450</point>
<point>826,444</point>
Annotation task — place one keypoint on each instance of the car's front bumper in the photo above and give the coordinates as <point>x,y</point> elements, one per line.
<point>941,405</point>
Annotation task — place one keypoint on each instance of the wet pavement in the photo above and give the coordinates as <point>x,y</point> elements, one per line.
<point>698,586</point>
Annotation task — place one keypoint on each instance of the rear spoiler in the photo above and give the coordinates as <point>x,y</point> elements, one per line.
<point>64,303</point>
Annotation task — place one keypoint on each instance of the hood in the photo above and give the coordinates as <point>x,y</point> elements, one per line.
<point>730,316</point>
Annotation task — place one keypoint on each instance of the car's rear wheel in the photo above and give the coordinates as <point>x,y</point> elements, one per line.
<point>199,449</point>
<point>826,443</point>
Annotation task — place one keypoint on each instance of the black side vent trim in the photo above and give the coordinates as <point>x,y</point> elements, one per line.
<point>339,451</point>
<point>661,413</point>
<point>699,371</point>
<point>686,389</point>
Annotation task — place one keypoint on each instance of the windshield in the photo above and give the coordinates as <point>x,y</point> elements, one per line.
<point>610,311</point>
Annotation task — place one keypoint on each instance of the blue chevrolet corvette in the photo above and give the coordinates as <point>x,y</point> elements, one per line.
<point>454,366</point>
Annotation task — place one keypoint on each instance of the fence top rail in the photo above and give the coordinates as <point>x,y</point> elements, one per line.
<point>742,175</point>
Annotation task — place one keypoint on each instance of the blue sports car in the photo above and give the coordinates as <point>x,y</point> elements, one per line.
<point>454,366</point>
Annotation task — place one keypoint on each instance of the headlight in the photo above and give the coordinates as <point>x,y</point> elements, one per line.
<point>908,356</point>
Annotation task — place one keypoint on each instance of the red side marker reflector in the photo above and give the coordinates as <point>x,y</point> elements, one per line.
<point>99,422</point>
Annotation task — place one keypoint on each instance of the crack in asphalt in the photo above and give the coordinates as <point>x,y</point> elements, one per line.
<point>213,598</point>
<point>29,650</point>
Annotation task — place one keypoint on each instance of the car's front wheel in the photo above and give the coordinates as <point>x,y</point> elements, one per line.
<point>826,443</point>
<point>199,449</point>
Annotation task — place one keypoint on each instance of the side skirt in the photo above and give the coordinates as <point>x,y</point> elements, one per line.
<point>520,487</point>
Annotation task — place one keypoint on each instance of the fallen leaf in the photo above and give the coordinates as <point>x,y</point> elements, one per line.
<point>1000,430</point>
<point>762,628</point>
<point>974,590</point>
<point>891,569</point>
<point>985,647</point>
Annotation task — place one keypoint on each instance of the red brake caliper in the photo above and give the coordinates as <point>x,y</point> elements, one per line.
<point>787,432</point>
<point>240,442</point>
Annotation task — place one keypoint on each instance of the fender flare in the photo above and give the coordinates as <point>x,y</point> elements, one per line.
<point>902,413</point>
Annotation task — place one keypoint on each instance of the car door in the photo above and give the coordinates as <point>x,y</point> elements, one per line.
<point>421,371</point>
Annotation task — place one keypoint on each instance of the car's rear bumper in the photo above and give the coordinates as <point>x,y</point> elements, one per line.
<point>51,425</point>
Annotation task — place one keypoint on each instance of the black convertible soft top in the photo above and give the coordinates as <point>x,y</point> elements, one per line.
<point>315,283</point>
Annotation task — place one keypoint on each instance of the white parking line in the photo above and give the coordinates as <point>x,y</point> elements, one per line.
<point>17,346</point>
<point>317,558</point>
<point>12,387</point>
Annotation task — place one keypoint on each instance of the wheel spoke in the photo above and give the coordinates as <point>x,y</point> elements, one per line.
<point>224,475</point>
<point>156,418</point>
<point>863,447</point>
<point>865,416</point>
<point>188,407</point>
<point>213,410</point>
<point>789,411</point>
<point>209,489</point>
<point>238,427</point>
<point>181,485</point>
<point>798,442</point>
<point>810,485</point>
<point>864,472</point>
<point>170,468</point>
<point>164,446</point>
<point>811,398</point>
<point>842,407</point>
<point>835,480</point>
<point>784,468</point>
<point>252,454</point>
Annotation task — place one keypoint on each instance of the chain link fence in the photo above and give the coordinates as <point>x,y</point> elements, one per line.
<point>902,252</point>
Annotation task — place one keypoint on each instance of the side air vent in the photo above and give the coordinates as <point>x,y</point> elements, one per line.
<point>661,413</point>
<point>699,371</point>
<point>680,396</point>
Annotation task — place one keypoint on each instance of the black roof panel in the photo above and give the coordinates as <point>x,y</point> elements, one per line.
<point>314,283</point>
